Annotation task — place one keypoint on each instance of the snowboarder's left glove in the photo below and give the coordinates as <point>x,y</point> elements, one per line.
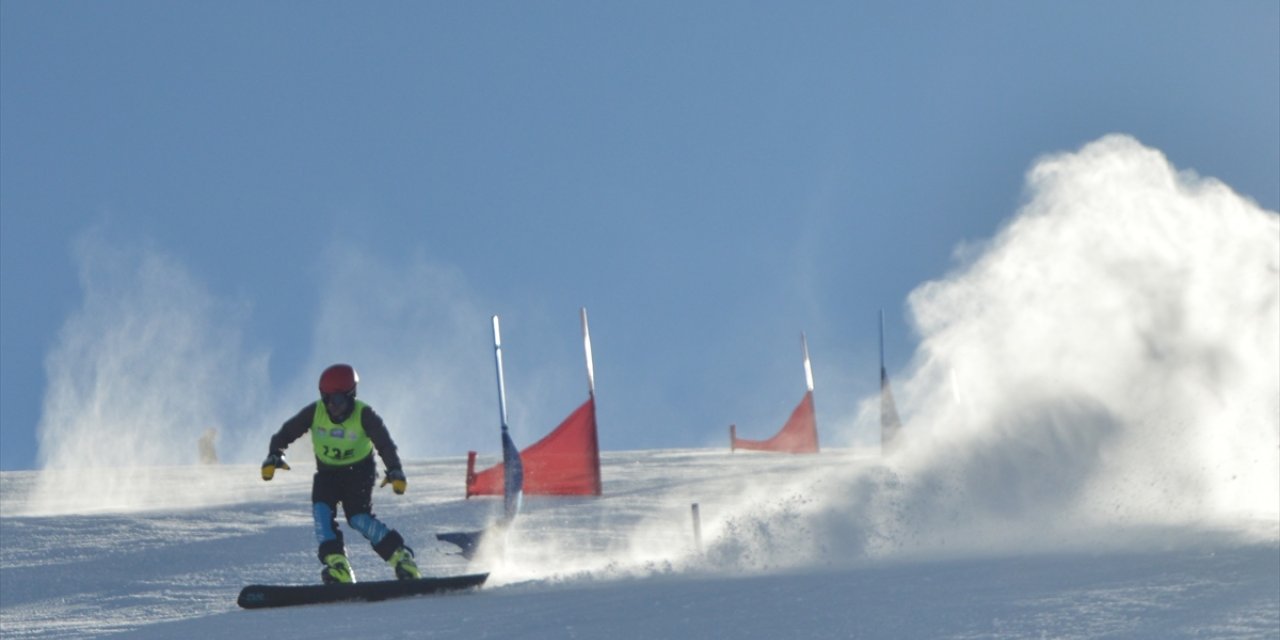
<point>395,478</point>
<point>273,462</point>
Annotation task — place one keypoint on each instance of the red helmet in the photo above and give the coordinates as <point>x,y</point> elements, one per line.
<point>339,378</point>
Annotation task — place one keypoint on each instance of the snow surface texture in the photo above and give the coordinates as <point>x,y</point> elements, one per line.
<point>626,565</point>
<point>1091,448</point>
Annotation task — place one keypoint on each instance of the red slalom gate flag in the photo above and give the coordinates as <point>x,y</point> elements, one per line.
<point>798,435</point>
<point>566,462</point>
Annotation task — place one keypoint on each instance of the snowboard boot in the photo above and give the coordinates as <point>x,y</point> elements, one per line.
<point>402,562</point>
<point>337,570</point>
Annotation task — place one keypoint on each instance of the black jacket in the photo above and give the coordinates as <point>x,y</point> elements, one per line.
<point>374,427</point>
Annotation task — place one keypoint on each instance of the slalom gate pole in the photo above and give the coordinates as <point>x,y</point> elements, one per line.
<point>513,468</point>
<point>808,369</point>
<point>882,344</point>
<point>497,360</point>
<point>586,347</point>
<point>697,529</point>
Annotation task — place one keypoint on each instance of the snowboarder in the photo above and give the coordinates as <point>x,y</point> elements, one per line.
<point>344,433</point>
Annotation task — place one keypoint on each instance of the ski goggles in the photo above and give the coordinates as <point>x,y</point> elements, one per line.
<point>337,402</point>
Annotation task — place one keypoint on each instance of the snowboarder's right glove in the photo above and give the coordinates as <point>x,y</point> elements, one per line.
<point>395,478</point>
<point>273,462</point>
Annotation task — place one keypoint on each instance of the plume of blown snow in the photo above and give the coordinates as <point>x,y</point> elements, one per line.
<point>421,344</point>
<point>1106,368</point>
<point>147,376</point>
<point>1118,347</point>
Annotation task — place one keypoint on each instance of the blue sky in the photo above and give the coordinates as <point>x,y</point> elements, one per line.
<point>304,183</point>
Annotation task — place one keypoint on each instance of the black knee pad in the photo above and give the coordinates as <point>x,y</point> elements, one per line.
<point>389,545</point>
<point>330,547</point>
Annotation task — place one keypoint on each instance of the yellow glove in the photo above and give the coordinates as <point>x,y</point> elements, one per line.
<point>395,478</point>
<point>273,462</point>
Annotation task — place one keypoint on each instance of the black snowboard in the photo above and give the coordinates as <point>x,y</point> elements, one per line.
<point>258,596</point>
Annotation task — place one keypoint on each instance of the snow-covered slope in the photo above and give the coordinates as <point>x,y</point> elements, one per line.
<point>829,546</point>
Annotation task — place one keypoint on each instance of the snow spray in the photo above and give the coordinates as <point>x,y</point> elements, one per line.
<point>153,359</point>
<point>140,374</point>
<point>1105,370</point>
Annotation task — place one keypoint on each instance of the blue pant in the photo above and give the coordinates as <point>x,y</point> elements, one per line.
<point>352,486</point>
